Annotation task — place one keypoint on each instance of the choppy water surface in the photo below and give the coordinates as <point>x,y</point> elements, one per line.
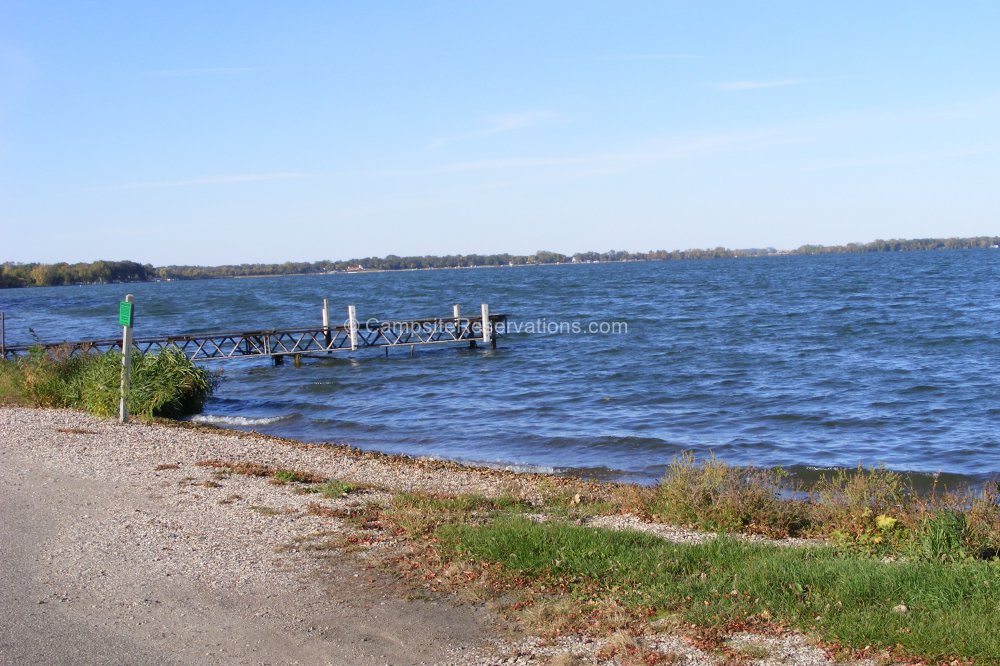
<point>793,361</point>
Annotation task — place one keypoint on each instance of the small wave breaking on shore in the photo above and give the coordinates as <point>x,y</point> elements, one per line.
<point>236,421</point>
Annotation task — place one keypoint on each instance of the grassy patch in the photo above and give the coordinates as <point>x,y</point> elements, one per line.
<point>952,609</point>
<point>420,514</point>
<point>333,488</point>
<point>280,476</point>
<point>165,384</point>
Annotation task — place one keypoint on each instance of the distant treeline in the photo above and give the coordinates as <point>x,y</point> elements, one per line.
<point>99,272</point>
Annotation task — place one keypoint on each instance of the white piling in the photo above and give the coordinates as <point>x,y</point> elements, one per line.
<point>326,320</point>
<point>126,365</point>
<point>352,325</point>
<point>487,331</point>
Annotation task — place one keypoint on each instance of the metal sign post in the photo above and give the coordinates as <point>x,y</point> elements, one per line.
<point>125,311</point>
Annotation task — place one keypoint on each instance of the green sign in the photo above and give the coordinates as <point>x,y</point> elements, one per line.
<point>124,313</point>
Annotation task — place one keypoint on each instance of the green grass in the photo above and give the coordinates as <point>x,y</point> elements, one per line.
<point>292,476</point>
<point>954,609</point>
<point>334,488</point>
<point>420,514</point>
<point>165,384</point>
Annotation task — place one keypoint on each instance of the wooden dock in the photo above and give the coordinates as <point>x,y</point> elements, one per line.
<point>297,342</point>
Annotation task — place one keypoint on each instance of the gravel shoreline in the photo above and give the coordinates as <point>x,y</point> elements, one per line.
<point>144,545</point>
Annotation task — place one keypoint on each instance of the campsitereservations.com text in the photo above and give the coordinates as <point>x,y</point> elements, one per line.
<point>531,326</point>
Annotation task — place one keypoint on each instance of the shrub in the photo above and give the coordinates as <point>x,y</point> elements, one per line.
<point>166,384</point>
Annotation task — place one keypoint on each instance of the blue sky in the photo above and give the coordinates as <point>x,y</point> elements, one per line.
<point>235,132</point>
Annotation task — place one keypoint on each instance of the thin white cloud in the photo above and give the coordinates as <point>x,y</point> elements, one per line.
<point>655,151</point>
<point>202,71</point>
<point>756,85</point>
<point>499,124</point>
<point>208,181</point>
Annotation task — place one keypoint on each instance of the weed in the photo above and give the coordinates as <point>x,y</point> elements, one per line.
<point>245,468</point>
<point>556,616</point>
<point>281,476</point>
<point>941,538</point>
<point>627,650</point>
<point>333,488</point>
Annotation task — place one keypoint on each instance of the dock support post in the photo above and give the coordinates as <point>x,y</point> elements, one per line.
<point>352,325</point>
<point>456,312</point>
<point>326,322</point>
<point>487,331</point>
<point>297,360</point>
<point>278,359</point>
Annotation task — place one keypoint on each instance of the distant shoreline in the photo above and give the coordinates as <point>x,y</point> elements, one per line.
<point>16,274</point>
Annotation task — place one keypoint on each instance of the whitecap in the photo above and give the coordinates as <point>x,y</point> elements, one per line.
<point>242,421</point>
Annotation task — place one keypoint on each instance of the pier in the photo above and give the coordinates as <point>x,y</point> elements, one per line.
<point>485,329</point>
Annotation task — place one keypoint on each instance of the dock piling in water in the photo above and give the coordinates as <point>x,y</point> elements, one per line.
<point>326,320</point>
<point>352,322</point>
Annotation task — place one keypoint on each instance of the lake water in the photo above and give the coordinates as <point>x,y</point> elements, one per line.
<point>806,362</point>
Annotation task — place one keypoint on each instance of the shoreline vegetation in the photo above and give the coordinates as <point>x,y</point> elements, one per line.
<point>167,384</point>
<point>16,274</point>
<point>700,562</point>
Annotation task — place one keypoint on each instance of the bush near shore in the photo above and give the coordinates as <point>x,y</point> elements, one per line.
<point>165,384</point>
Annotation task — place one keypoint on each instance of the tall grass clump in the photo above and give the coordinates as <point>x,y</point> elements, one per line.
<point>165,384</point>
<point>42,379</point>
<point>712,495</point>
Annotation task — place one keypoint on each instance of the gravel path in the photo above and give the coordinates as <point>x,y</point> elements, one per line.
<point>116,548</point>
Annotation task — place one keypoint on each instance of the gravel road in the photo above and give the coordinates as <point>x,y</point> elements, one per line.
<point>106,560</point>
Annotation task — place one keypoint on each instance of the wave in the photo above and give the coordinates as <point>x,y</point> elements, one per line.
<point>520,468</point>
<point>244,421</point>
